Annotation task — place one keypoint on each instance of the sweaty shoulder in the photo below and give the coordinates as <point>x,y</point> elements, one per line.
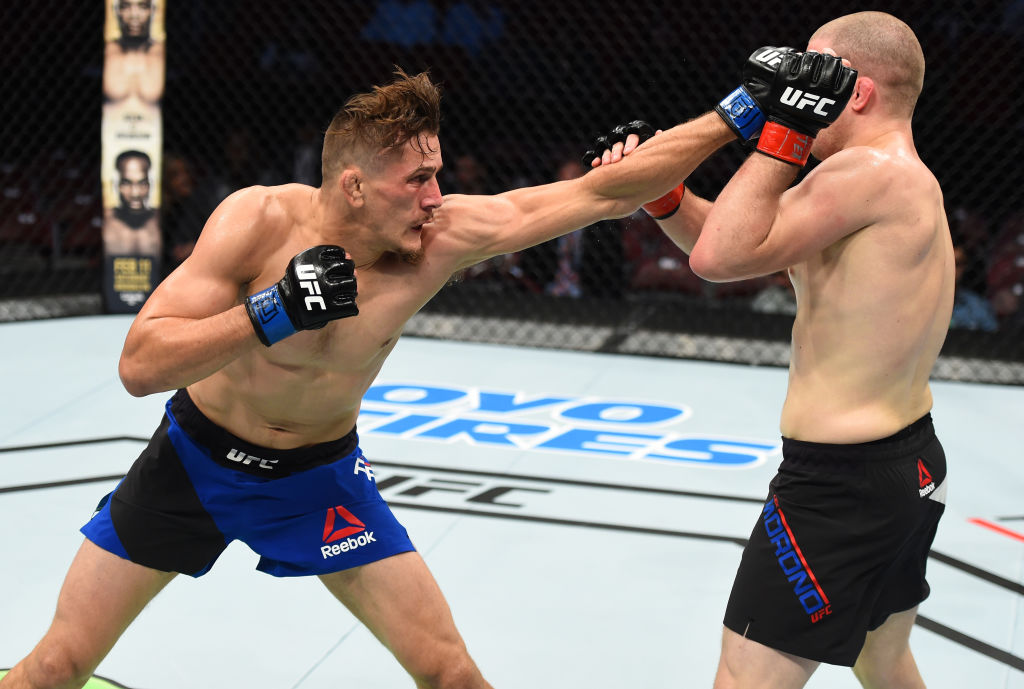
<point>894,169</point>
<point>862,165</point>
<point>249,225</point>
<point>469,211</point>
<point>875,183</point>
<point>258,213</point>
<point>466,226</point>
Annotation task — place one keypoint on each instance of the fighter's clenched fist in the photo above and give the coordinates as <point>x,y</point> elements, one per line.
<point>800,93</point>
<point>319,286</point>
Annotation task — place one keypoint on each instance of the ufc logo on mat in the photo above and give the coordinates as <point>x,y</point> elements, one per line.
<point>801,99</point>
<point>770,57</point>
<point>308,282</point>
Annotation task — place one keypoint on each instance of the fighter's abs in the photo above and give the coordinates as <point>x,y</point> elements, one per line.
<point>281,406</point>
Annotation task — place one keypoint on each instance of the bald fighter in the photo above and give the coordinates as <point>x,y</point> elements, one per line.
<point>835,566</point>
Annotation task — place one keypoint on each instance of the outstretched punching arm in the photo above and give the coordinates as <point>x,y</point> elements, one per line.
<point>477,227</point>
<point>680,213</point>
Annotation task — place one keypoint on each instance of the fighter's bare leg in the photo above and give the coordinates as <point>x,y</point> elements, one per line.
<point>399,601</point>
<point>745,663</point>
<point>101,595</point>
<point>886,662</point>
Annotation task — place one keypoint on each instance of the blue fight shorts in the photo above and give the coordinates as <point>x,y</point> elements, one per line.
<point>195,488</point>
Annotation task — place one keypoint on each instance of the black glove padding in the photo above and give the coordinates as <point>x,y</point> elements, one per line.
<point>806,92</point>
<point>318,286</point>
<point>759,71</point>
<point>741,109</point>
<point>605,142</point>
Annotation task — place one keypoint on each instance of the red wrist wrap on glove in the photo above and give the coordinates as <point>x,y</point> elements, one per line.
<point>667,205</point>
<point>788,145</point>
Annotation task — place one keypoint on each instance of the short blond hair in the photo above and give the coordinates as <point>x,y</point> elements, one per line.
<point>882,47</point>
<point>381,120</point>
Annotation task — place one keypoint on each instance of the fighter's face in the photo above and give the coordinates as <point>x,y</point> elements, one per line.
<point>134,16</point>
<point>134,183</point>
<point>403,194</point>
<point>831,139</point>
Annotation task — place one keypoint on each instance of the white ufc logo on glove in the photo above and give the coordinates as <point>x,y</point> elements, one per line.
<point>772,58</point>
<point>801,99</point>
<point>307,281</point>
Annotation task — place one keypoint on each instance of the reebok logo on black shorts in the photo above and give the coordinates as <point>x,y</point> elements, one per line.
<point>924,478</point>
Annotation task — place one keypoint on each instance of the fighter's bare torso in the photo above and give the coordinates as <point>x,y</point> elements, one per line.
<point>308,387</point>
<point>873,309</point>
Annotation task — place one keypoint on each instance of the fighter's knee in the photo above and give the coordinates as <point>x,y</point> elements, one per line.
<point>56,666</point>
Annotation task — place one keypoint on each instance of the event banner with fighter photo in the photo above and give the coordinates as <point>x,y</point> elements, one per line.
<point>133,85</point>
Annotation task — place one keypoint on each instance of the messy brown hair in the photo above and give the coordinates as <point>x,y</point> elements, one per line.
<point>382,120</point>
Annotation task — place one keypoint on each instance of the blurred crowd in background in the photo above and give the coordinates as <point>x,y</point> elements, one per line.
<point>251,86</point>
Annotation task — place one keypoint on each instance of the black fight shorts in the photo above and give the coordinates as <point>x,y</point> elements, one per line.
<point>841,544</point>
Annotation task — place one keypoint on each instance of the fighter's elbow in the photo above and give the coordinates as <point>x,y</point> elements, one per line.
<point>706,265</point>
<point>135,388</point>
<point>717,259</point>
<point>134,379</point>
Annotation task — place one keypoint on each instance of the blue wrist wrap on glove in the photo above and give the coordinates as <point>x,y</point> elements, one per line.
<point>266,309</point>
<point>741,111</point>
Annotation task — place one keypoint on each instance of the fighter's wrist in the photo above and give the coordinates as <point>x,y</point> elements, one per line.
<point>665,206</point>
<point>741,112</point>
<point>268,316</point>
<point>785,143</point>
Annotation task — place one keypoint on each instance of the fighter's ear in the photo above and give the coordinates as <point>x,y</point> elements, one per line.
<point>351,182</point>
<point>862,93</point>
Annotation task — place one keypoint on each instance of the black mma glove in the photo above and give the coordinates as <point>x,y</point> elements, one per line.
<point>740,108</point>
<point>660,208</point>
<point>643,131</point>
<point>318,286</point>
<point>806,93</point>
